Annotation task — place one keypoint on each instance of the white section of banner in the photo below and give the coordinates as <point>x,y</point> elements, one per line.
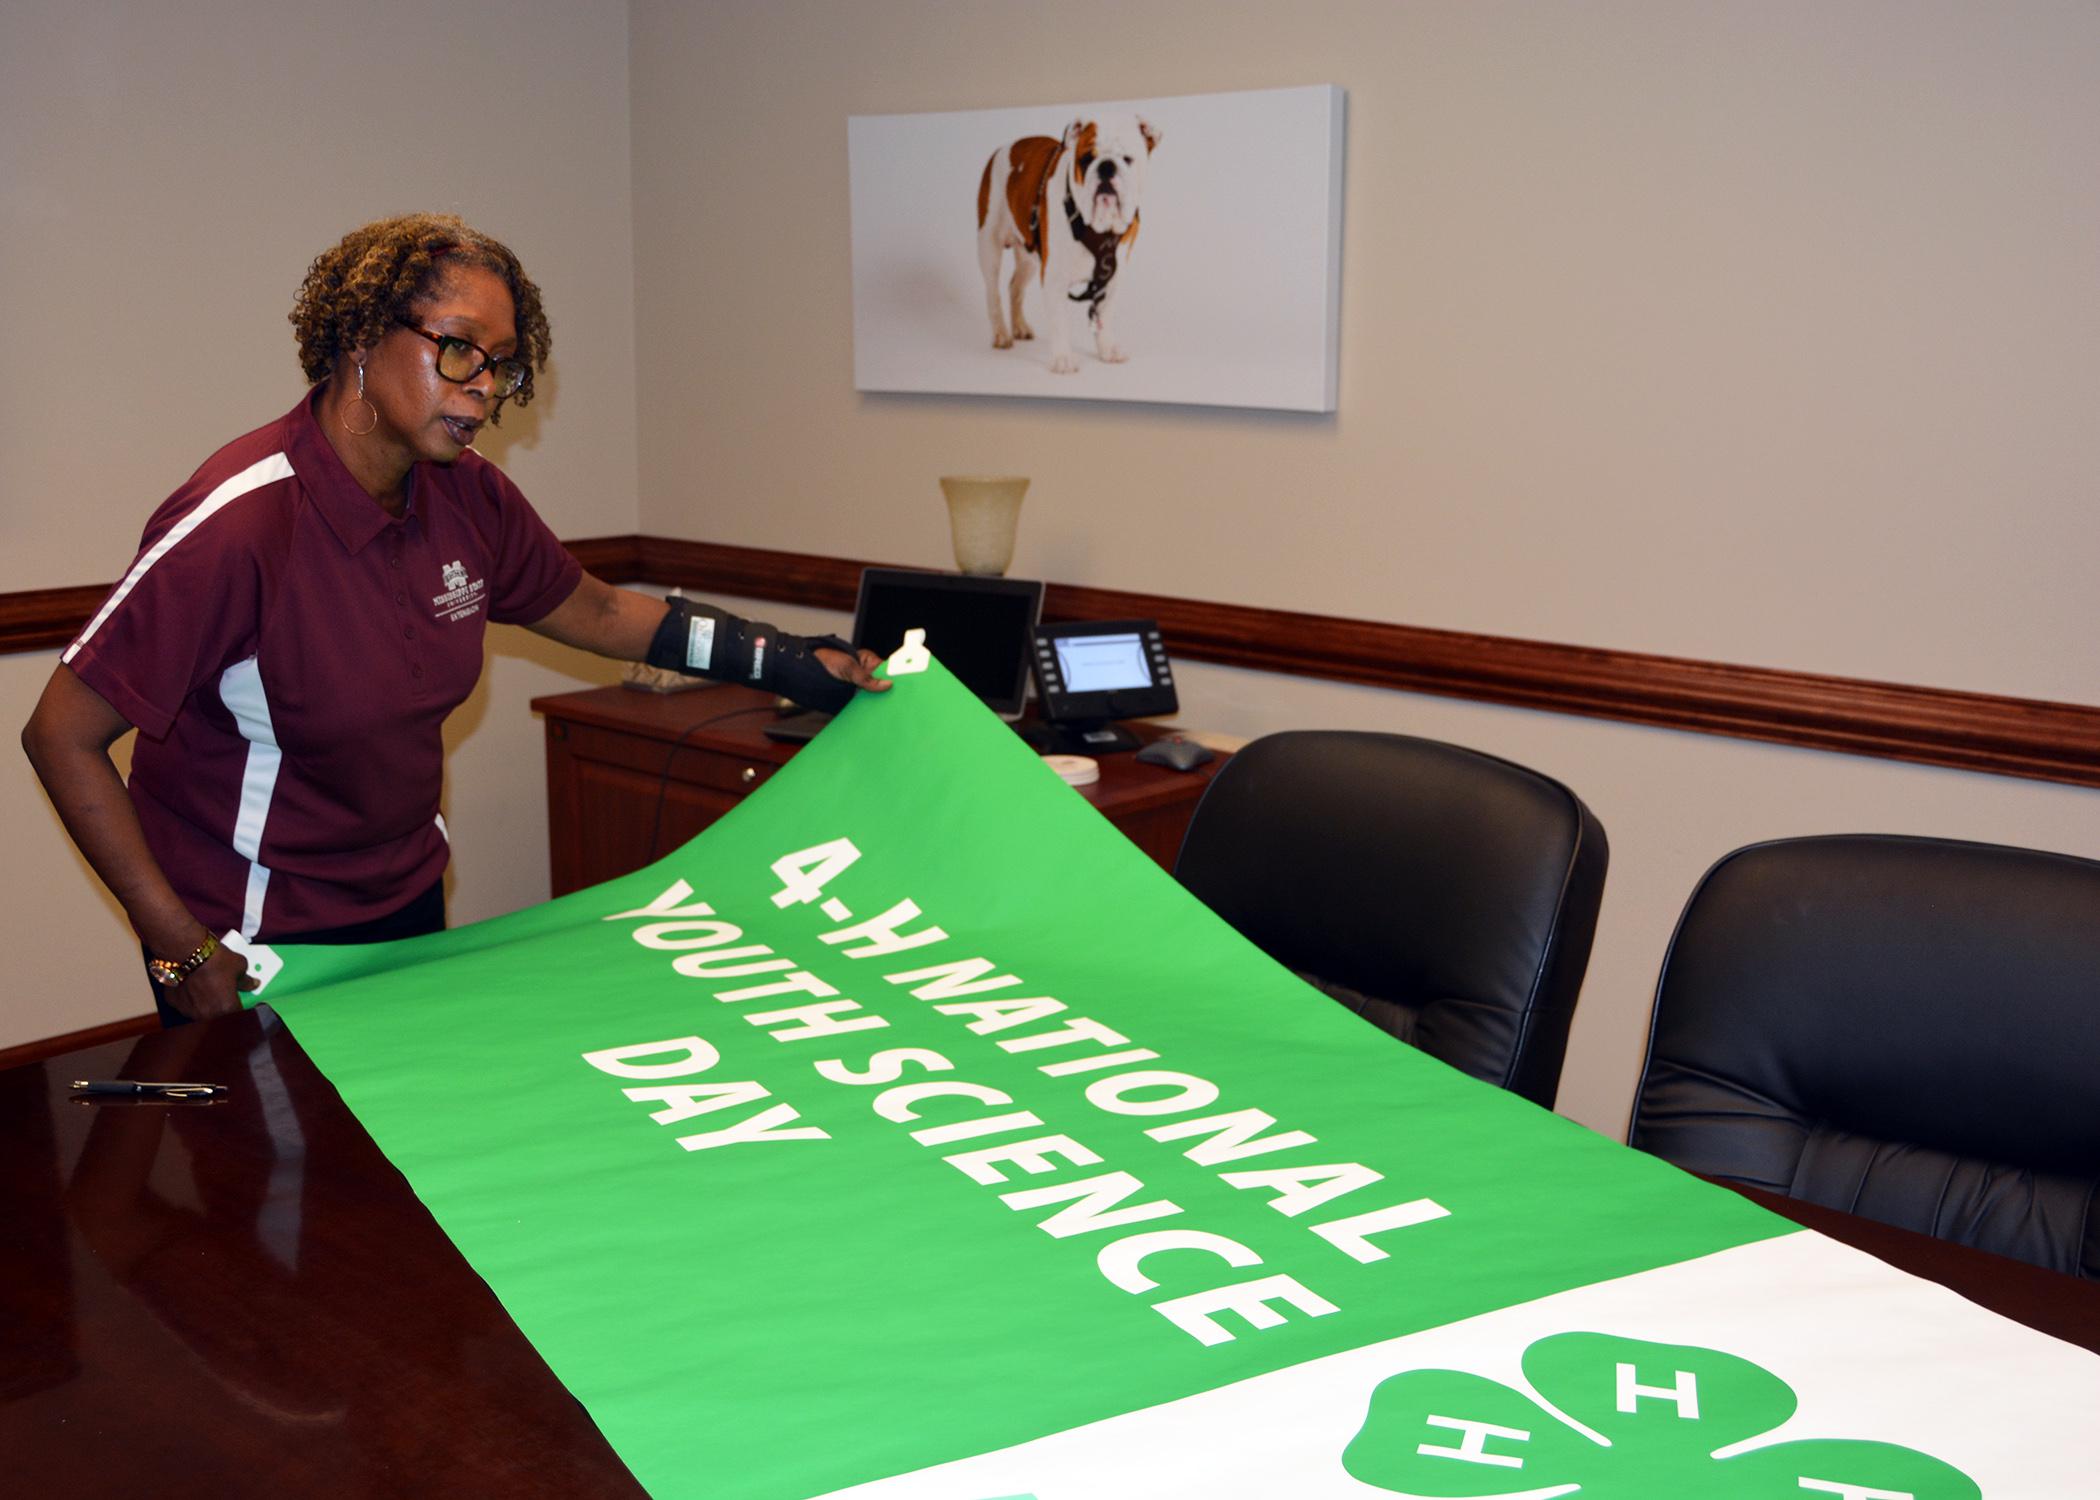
<point>1872,1353</point>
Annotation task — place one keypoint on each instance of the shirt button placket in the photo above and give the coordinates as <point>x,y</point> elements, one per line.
<point>408,629</point>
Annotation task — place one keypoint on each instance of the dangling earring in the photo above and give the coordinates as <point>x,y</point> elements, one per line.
<point>360,401</point>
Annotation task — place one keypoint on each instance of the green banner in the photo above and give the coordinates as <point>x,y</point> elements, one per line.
<point>911,1113</point>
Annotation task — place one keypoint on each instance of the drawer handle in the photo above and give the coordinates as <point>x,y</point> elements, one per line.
<point>750,775</point>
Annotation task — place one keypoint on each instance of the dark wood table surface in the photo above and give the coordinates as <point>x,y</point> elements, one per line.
<point>244,1298</point>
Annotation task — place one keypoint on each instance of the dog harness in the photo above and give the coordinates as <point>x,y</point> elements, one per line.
<point>1101,244</point>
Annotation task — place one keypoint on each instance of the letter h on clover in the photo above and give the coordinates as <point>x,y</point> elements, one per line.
<point>1657,1416</point>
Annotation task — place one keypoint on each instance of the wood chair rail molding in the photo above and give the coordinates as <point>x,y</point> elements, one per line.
<point>2034,738</point>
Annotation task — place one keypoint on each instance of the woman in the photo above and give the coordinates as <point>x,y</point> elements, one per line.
<point>308,608</point>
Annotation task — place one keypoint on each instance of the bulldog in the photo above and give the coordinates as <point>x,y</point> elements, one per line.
<point>1068,209</point>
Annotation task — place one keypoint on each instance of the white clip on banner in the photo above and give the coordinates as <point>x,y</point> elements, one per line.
<point>263,960</point>
<point>912,656</point>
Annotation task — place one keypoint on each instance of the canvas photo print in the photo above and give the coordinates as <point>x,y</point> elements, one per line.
<point>1180,249</point>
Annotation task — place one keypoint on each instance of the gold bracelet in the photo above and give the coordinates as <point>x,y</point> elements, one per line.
<point>168,973</point>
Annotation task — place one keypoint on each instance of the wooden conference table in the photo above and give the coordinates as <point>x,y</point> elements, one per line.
<point>243,1298</point>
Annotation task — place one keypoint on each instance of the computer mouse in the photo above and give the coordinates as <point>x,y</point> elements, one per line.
<point>1175,752</point>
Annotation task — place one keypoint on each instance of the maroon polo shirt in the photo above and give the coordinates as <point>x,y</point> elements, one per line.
<point>289,652</point>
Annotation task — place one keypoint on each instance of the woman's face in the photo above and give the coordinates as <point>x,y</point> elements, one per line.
<point>422,415</point>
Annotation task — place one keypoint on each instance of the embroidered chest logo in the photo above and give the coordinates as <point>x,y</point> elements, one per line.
<point>462,596</point>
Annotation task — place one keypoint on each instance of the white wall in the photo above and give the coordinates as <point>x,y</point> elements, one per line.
<point>1757,332</point>
<point>167,171</point>
<point>1766,333</point>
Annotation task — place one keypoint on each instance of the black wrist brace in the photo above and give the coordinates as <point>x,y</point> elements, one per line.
<point>702,641</point>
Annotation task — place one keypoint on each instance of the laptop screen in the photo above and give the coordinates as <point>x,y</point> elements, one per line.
<point>979,628</point>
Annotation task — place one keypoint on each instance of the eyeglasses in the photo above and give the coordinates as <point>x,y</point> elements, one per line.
<point>460,360</point>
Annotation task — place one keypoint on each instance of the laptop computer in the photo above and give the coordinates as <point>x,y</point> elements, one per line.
<point>980,628</point>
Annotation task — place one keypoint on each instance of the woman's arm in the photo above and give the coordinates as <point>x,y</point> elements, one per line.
<point>599,618</point>
<point>621,623</point>
<point>67,740</point>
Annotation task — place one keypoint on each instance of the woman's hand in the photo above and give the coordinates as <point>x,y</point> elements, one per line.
<point>858,671</point>
<point>215,989</point>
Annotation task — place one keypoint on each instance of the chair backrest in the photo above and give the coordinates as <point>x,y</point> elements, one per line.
<point>1903,1028</point>
<point>1443,894</point>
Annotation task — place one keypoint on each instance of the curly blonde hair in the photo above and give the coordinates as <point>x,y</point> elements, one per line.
<point>362,287</point>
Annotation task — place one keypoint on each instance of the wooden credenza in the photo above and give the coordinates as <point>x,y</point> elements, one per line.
<point>632,775</point>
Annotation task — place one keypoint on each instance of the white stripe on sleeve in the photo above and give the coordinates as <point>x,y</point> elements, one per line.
<point>264,471</point>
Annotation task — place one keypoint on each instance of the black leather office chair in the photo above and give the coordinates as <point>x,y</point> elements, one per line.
<point>1904,1028</point>
<point>1448,896</point>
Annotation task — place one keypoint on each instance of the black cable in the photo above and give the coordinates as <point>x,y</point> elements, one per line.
<point>663,785</point>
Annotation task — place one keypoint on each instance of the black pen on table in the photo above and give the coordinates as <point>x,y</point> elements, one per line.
<point>132,1089</point>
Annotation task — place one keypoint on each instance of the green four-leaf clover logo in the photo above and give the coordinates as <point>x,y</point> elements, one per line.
<point>1664,1421</point>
